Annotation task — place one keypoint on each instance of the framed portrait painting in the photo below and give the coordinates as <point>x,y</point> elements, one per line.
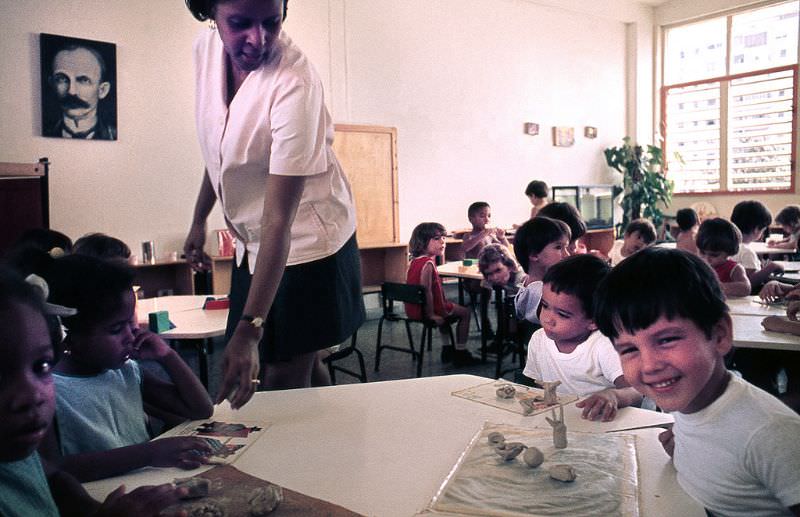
<point>79,88</point>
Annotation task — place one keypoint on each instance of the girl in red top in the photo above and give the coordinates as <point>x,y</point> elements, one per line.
<point>717,240</point>
<point>427,243</point>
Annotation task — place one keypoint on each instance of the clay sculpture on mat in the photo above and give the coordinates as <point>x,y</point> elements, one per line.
<point>532,457</point>
<point>550,396</point>
<point>559,429</point>
<point>563,473</point>
<point>506,391</point>
<point>496,438</point>
<point>509,451</point>
<point>263,500</point>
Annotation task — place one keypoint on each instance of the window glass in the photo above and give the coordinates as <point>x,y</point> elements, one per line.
<point>764,38</point>
<point>694,52</point>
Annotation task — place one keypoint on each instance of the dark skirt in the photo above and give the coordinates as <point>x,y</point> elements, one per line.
<point>318,304</point>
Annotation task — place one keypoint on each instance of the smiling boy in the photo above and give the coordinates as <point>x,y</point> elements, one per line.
<point>733,445</point>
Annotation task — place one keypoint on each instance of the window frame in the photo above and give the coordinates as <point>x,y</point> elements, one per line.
<point>724,82</point>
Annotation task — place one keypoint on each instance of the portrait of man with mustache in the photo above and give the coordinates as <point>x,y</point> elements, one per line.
<point>77,83</point>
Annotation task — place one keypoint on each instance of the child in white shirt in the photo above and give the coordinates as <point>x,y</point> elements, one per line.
<point>639,234</point>
<point>753,218</point>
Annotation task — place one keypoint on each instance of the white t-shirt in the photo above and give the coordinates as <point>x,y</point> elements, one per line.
<point>615,253</point>
<point>591,367</point>
<point>740,456</point>
<point>526,301</point>
<point>747,257</point>
<point>276,124</point>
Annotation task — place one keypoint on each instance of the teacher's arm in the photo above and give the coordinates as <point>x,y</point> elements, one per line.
<point>193,247</point>
<point>240,362</point>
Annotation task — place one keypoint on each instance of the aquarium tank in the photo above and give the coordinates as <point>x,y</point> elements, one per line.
<point>594,202</point>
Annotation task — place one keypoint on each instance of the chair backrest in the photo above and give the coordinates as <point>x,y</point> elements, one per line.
<point>408,293</point>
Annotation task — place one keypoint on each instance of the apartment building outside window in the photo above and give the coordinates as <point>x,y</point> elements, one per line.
<point>729,101</point>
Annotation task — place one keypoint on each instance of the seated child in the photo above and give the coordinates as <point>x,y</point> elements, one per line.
<point>639,234</point>
<point>480,213</point>
<point>102,246</point>
<point>538,192</point>
<point>753,218</point>
<point>789,219</point>
<point>568,347</point>
<point>570,215</point>
<point>733,445</point>
<point>99,428</point>
<point>499,269</point>
<point>717,241</point>
<point>27,403</point>
<point>538,244</point>
<point>427,243</point>
<point>688,224</point>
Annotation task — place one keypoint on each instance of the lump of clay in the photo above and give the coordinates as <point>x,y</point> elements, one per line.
<point>533,457</point>
<point>496,438</point>
<point>506,391</point>
<point>509,451</point>
<point>563,473</point>
<point>265,499</point>
<point>207,508</point>
<point>196,486</point>
<point>528,405</point>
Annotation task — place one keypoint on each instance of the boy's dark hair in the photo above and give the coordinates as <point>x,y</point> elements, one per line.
<point>476,207</point>
<point>751,215</point>
<point>420,236</point>
<point>14,289</point>
<point>719,234</point>
<point>101,246</point>
<point>645,229</point>
<point>686,219</point>
<point>204,9</point>
<point>578,275</point>
<point>534,235</point>
<point>567,213</point>
<point>686,287</point>
<point>91,285</point>
<point>495,253</point>
<point>538,189</point>
<point>789,215</point>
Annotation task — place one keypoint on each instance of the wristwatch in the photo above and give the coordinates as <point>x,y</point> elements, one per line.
<point>257,322</point>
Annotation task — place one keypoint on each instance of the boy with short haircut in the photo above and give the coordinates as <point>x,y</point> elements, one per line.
<point>753,218</point>
<point>639,234</point>
<point>789,219</point>
<point>538,244</point>
<point>570,215</point>
<point>538,192</point>
<point>688,223</point>
<point>480,213</point>
<point>568,347</point>
<point>499,269</point>
<point>717,241</point>
<point>733,445</point>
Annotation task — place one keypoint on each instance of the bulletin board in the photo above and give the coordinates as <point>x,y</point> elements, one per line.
<point>368,155</point>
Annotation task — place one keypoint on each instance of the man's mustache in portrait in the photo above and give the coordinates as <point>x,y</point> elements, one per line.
<point>73,101</point>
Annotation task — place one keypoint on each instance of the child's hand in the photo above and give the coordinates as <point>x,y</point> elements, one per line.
<point>144,501</point>
<point>774,268</point>
<point>667,439</point>
<point>774,323</point>
<point>602,405</point>
<point>499,234</point>
<point>148,345</point>
<point>793,310</point>
<point>186,452</point>
<point>771,291</point>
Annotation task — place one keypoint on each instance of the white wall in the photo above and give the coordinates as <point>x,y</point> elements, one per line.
<point>458,80</point>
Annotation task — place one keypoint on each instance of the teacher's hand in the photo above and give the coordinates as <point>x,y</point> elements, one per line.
<point>240,366</point>
<point>193,248</point>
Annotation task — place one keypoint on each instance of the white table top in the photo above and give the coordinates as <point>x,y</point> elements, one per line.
<point>748,333</point>
<point>458,270</point>
<point>384,448</point>
<point>761,248</point>
<point>187,313</point>
<point>752,305</point>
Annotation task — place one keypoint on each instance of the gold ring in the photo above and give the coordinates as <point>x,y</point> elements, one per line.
<point>255,381</point>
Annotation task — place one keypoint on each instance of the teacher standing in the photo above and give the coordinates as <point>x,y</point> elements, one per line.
<point>266,137</point>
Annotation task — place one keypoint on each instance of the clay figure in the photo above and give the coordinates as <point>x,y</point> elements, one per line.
<point>528,405</point>
<point>550,397</point>
<point>263,500</point>
<point>509,451</point>
<point>564,473</point>
<point>532,457</point>
<point>207,508</point>
<point>559,429</point>
<point>496,438</point>
<point>506,391</point>
<point>196,486</point>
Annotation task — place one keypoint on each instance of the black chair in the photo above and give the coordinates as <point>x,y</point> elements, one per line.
<point>512,335</point>
<point>408,293</point>
<point>347,352</point>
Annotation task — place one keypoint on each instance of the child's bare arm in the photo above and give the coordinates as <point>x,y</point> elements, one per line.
<point>426,278</point>
<point>739,284</point>
<point>604,404</point>
<point>761,276</point>
<point>500,236</point>
<point>185,396</point>
<point>470,240</point>
<point>781,324</point>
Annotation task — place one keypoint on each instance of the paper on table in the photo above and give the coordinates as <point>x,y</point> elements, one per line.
<point>228,440</point>
<point>486,394</point>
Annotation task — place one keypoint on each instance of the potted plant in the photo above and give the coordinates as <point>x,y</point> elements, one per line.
<point>646,189</point>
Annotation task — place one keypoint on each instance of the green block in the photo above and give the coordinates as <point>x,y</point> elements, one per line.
<point>159,321</point>
<point>468,262</point>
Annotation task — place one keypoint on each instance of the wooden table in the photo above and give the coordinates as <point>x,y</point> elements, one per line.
<point>748,333</point>
<point>192,323</point>
<point>384,448</point>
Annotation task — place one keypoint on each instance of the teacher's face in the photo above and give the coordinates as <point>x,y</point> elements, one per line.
<point>249,30</point>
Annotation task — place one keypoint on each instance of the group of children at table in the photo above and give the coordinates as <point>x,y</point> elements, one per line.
<point>74,400</point>
<point>650,323</point>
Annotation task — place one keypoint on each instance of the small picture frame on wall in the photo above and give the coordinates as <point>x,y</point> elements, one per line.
<point>79,88</point>
<point>531,128</point>
<point>563,136</point>
<point>590,132</point>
